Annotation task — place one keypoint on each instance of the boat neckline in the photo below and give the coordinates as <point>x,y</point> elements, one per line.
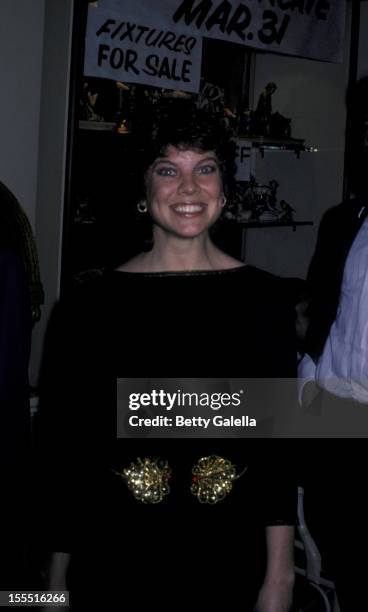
<point>180,272</point>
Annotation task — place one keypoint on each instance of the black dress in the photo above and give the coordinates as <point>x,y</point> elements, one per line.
<point>221,324</point>
<point>15,426</point>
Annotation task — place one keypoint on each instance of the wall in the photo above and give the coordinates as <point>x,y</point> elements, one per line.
<point>35,40</point>
<point>312,93</point>
<point>52,159</point>
<point>363,41</point>
<point>21,49</point>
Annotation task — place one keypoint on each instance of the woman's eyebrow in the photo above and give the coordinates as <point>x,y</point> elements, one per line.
<point>165,160</point>
<point>209,158</point>
<point>162,160</point>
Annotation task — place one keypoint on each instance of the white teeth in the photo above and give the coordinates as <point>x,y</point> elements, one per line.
<point>188,208</point>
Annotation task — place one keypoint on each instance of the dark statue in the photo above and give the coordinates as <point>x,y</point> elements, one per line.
<point>262,121</point>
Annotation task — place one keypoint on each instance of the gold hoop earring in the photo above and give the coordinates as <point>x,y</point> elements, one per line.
<point>142,206</point>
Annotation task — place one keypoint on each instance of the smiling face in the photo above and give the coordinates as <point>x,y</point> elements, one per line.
<point>184,191</point>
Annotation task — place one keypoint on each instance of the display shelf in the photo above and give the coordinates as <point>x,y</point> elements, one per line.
<point>263,143</point>
<point>257,224</point>
<point>100,126</point>
<point>274,223</point>
<point>267,143</point>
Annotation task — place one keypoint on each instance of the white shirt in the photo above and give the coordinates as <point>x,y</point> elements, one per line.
<point>343,366</point>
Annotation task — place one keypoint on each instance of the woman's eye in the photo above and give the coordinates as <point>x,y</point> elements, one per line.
<point>207,169</point>
<point>166,171</point>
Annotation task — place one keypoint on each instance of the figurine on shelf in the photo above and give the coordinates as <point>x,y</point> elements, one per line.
<point>88,104</point>
<point>99,100</point>
<point>176,93</point>
<point>280,126</point>
<point>123,127</point>
<point>264,211</point>
<point>263,112</point>
<point>211,98</point>
<point>263,122</point>
<point>246,122</point>
<point>234,210</point>
<point>287,211</point>
<point>124,115</point>
<point>261,200</point>
<point>272,201</point>
<point>83,214</point>
<point>230,118</point>
<point>123,97</point>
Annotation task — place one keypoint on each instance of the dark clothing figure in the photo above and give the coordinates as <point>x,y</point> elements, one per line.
<point>336,469</point>
<point>20,298</point>
<point>336,234</point>
<point>15,334</point>
<point>15,326</point>
<point>161,324</point>
<point>16,234</point>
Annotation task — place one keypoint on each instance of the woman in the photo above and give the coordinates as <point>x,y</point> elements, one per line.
<point>177,310</point>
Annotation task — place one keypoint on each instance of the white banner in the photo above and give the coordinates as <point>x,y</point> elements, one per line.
<point>306,28</point>
<point>136,51</point>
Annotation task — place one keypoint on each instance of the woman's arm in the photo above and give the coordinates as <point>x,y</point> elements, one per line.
<point>54,577</point>
<point>277,589</point>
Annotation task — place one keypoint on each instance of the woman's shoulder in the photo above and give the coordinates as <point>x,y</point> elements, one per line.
<point>273,297</point>
<point>262,279</point>
<point>136,264</point>
<point>91,284</point>
<point>84,298</point>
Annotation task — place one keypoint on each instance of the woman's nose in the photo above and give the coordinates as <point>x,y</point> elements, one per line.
<point>188,183</point>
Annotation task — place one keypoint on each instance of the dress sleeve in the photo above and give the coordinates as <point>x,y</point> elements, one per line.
<point>281,503</point>
<point>285,335</point>
<point>273,325</point>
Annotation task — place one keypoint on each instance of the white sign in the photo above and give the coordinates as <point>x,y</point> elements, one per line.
<point>307,28</point>
<point>135,51</point>
<point>245,160</point>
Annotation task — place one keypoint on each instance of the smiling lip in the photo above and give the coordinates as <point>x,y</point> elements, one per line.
<point>189,210</point>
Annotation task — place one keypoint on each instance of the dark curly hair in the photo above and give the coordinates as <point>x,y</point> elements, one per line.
<point>184,126</point>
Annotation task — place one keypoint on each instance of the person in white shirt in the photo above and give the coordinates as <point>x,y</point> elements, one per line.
<point>339,379</point>
<point>333,374</point>
<point>334,395</point>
